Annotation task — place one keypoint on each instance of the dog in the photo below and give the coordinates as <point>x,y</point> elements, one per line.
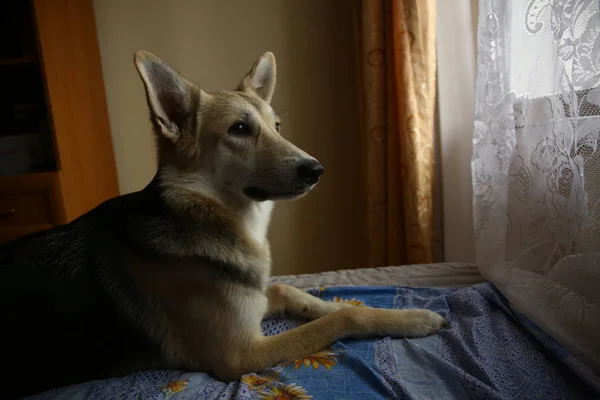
<point>176,276</point>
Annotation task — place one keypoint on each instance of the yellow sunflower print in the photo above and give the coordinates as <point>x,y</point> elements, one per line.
<point>176,386</point>
<point>281,391</point>
<point>354,302</point>
<point>327,358</point>
<point>255,381</point>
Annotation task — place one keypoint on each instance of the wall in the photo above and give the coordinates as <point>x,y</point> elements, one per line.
<point>456,46</point>
<point>214,44</point>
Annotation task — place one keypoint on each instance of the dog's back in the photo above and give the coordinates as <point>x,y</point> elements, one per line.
<point>83,301</point>
<point>63,302</point>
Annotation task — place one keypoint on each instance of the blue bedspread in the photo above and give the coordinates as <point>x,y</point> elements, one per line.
<point>489,352</point>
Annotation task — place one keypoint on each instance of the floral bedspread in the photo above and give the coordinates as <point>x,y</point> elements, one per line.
<point>489,352</point>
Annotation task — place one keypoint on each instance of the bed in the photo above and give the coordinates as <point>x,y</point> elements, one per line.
<point>488,352</point>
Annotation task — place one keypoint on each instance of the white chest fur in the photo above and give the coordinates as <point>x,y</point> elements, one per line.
<point>256,217</point>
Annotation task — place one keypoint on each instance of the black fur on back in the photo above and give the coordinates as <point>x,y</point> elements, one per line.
<point>68,310</point>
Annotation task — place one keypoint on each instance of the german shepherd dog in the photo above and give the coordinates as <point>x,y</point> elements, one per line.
<point>176,276</point>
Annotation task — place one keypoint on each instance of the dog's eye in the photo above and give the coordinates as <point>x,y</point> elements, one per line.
<point>240,129</point>
<point>277,125</point>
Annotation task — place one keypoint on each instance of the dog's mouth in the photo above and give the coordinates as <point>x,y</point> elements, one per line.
<point>256,193</point>
<point>259,194</point>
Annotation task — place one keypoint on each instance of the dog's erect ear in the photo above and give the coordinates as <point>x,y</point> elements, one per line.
<point>171,97</point>
<point>261,78</point>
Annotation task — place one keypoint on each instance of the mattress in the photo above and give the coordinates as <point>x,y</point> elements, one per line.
<point>487,352</point>
<point>441,275</point>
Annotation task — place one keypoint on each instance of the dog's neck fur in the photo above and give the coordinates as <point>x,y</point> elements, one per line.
<point>252,216</point>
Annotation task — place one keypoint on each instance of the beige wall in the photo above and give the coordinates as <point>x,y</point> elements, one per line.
<point>214,43</point>
<point>456,46</point>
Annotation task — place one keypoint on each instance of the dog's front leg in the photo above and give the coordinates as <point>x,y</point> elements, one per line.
<point>285,299</point>
<point>261,352</point>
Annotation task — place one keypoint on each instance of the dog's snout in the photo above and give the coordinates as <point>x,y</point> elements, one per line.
<point>310,171</point>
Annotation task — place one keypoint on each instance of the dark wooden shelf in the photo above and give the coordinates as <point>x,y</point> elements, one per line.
<point>83,172</point>
<point>18,61</point>
<point>32,181</point>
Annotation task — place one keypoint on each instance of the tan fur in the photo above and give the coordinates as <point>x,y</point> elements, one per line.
<point>201,320</point>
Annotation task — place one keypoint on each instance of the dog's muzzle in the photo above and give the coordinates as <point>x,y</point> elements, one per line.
<point>308,174</point>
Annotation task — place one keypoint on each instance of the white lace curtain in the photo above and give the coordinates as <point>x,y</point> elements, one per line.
<point>536,164</point>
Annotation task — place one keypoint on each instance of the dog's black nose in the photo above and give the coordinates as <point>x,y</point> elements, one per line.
<point>310,171</point>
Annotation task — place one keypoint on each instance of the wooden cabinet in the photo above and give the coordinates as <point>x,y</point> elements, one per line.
<point>55,79</point>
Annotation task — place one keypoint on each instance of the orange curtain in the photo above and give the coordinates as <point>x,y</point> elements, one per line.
<point>398,72</point>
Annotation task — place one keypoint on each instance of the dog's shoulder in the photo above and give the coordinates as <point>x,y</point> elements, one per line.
<point>143,228</point>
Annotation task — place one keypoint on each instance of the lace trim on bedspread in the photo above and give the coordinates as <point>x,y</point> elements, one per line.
<point>386,366</point>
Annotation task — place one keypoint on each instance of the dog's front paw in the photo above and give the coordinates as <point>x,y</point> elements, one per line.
<point>378,322</point>
<point>418,323</point>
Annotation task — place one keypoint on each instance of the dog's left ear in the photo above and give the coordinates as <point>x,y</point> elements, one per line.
<point>261,78</point>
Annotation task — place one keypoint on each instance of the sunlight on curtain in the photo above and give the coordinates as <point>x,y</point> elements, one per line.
<point>536,163</point>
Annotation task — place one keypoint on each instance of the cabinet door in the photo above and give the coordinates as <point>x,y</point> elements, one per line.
<point>70,57</point>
